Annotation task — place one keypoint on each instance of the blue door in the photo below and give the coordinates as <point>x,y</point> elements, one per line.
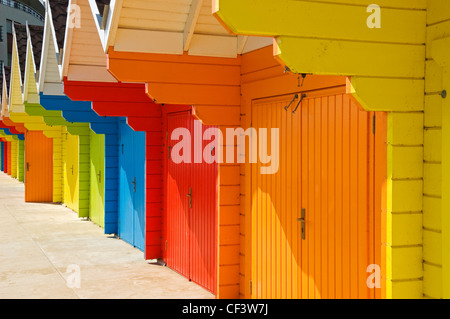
<point>1,156</point>
<point>132,186</point>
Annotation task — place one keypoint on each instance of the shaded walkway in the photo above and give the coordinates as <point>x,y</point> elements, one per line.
<point>42,246</point>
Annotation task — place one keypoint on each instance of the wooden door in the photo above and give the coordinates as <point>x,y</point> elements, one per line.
<point>8,155</point>
<point>97,179</point>
<point>328,154</point>
<point>132,186</point>
<point>191,206</point>
<point>38,167</point>
<point>71,178</point>
<point>1,156</point>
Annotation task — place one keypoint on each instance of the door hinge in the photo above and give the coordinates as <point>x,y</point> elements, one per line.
<point>373,124</point>
<point>167,135</point>
<point>250,287</point>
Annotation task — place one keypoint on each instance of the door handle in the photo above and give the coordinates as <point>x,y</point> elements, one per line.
<point>168,152</point>
<point>190,197</point>
<point>28,166</point>
<point>302,221</point>
<point>134,184</point>
<point>72,169</point>
<point>99,176</point>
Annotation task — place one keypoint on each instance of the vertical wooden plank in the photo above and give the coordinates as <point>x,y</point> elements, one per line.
<point>339,200</point>
<point>289,218</point>
<point>284,206</point>
<point>259,282</point>
<point>317,198</point>
<point>276,198</point>
<point>346,199</point>
<point>260,211</point>
<point>324,197</point>
<point>362,209</point>
<point>304,272</point>
<point>371,199</point>
<point>311,200</point>
<point>295,159</point>
<point>265,211</point>
<point>381,197</point>
<point>253,219</point>
<point>331,199</point>
<point>354,200</point>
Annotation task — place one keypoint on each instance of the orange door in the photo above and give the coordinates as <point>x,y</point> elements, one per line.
<point>38,167</point>
<point>326,188</point>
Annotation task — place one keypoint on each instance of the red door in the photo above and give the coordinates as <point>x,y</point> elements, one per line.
<point>5,157</point>
<point>191,203</point>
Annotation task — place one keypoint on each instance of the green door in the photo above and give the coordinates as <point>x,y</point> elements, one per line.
<point>20,161</point>
<point>97,198</point>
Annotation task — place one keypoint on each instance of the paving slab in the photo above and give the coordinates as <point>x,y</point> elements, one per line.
<point>47,252</point>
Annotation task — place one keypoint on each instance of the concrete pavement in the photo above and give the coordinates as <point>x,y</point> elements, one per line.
<point>46,251</point>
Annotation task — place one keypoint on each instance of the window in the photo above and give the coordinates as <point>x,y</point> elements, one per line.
<point>1,33</point>
<point>8,26</point>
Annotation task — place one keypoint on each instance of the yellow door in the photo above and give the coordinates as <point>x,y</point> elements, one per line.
<point>71,176</point>
<point>14,148</point>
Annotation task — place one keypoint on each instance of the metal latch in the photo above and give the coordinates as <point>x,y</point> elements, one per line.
<point>190,197</point>
<point>302,221</point>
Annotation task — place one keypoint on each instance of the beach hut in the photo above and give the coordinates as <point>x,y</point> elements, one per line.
<point>263,222</point>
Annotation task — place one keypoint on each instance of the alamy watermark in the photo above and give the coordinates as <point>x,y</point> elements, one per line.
<point>73,279</point>
<point>374,20</point>
<point>184,152</point>
<point>74,16</point>
<point>374,279</point>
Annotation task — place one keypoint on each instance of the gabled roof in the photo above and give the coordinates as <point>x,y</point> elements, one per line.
<point>37,36</point>
<point>5,79</point>
<point>84,58</point>
<point>20,32</point>
<point>58,11</point>
<point>171,27</point>
<point>50,68</point>
<point>7,75</point>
